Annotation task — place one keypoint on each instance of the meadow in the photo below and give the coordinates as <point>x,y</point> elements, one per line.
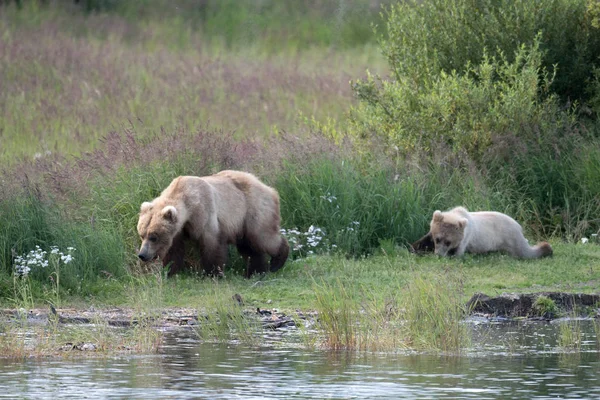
<point>103,104</point>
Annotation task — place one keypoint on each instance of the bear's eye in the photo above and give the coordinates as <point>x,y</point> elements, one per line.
<point>447,243</point>
<point>153,238</point>
<point>437,240</point>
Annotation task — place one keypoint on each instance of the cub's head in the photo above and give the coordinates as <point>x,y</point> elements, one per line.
<point>157,227</point>
<point>447,232</point>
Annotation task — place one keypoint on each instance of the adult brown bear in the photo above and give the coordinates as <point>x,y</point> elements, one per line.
<point>230,207</point>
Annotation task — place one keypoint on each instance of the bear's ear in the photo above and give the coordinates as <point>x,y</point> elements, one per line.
<point>169,213</point>
<point>145,206</point>
<point>462,223</point>
<point>438,216</point>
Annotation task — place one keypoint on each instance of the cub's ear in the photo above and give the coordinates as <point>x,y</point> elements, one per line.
<point>145,206</point>
<point>462,223</point>
<point>438,216</point>
<point>169,213</point>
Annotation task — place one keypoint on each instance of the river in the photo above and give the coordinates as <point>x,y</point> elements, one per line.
<point>506,360</point>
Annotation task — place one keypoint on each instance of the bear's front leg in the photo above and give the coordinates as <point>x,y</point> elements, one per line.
<point>214,257</point>
<point>460,250</point>
<point>255,261</point>
<point>175,255</point>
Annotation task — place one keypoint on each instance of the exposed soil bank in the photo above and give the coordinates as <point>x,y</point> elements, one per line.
<point>513,305</point>
<point>506,305</point>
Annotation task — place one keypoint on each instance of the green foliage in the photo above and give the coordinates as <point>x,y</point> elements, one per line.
<point>545,306</point>
<point>500,90</point>
<point>463,112</point>
<point>269,24</point>
<point>223,319</point>
<point>426,38</point>
<point>357,207</point>
<point>434,313</point>
<point>27,221</point>
<point>570,335</point>
<point>356,322</point>
<point>553,185</point>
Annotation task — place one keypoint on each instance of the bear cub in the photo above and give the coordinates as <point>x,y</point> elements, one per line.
<point>230,207</point>
<point>458,231</point>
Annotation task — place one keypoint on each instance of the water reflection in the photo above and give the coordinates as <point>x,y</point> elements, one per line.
<point>507,361</point>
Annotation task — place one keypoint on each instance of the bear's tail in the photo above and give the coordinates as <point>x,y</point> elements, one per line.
<point>542,249</point>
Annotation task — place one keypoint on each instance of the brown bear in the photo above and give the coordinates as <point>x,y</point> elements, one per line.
<point>230,207</point>
<point>458,231</point>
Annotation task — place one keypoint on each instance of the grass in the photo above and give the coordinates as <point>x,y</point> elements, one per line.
<point>100,111</point>
<point>21,340</point>
<point>378,303</point>
<point>66,90</point>
<point>545,306</point>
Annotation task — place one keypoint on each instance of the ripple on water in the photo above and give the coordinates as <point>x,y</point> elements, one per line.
<point>506,361</point>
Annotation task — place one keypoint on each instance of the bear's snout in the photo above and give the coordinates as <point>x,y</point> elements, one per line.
<point>143,257</point>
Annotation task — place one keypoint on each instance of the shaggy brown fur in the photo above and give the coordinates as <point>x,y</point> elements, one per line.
<point>230,207</point>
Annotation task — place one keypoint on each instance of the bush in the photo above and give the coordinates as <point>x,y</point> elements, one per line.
<point>462,111</point>
<point>426,38</point>
<point>500,92</point>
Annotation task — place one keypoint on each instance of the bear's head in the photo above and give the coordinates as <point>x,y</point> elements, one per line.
<point>157,227</point>
<point>447,232</point>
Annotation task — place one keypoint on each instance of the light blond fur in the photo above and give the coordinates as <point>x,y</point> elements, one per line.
<point>458,231</point>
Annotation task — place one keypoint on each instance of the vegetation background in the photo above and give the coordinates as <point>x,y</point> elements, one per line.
<point>365,115</point>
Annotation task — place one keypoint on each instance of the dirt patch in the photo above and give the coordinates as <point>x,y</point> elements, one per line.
<point>513,305</point>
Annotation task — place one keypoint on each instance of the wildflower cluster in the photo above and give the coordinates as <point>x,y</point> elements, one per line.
<point>594,239</point>
<point>38,258</point>
<point>329,197</point>
<point>65,258</point>
<point>353,224</point>
<point>307,243</point>
<point>35,258</point>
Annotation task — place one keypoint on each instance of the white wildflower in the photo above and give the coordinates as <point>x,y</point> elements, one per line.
<point>584,240</point>
<point>38,258</point>
<point>329,197</point>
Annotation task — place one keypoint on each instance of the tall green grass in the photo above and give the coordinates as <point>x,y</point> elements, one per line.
<point>222,319</point>
<point>29,221</point>
<point>434,313</point>
<point>359,206</point>
<point>271,24</point>
<point>71,78</point>
<point>427,315</point>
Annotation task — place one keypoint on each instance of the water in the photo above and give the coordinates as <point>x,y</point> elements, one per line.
<point>506,361</point>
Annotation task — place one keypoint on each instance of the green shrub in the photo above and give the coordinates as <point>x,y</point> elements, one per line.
<point>426,38</point>
<point>500,93</point>
<point>463,112</point>
<point>553,184</point>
